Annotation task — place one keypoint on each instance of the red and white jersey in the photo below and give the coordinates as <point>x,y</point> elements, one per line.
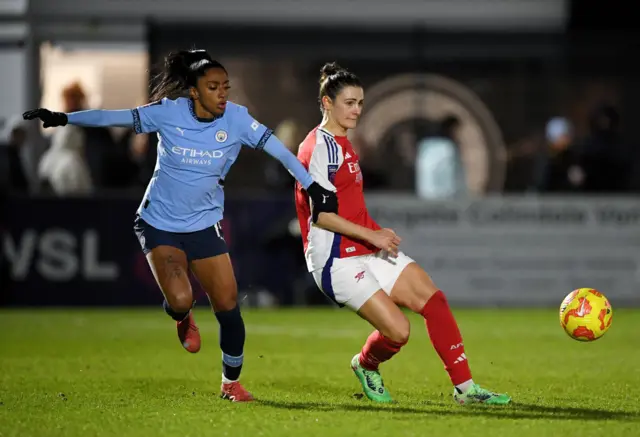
<point>332,163</point>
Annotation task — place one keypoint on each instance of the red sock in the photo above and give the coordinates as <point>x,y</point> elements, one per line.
<point>446,338</point>
<point>378,349</point>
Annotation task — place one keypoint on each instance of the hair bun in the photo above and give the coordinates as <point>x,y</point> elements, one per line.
<point>329,69</point>
<point>180,64</point>
<point>177,66</point>
<point>194,56</point>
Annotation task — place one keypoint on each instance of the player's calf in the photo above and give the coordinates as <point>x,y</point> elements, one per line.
<point>378,349</point>
<point>232,337</point>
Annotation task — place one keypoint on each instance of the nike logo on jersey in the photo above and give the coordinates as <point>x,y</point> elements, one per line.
<point>180,130</point>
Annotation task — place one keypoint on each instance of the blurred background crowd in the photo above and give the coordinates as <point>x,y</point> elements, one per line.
<point>584,146</point>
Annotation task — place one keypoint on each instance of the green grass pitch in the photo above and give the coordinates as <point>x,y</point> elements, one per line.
<point>87,372</point>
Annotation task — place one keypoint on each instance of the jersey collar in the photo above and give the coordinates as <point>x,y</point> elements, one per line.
<point>192,109</point>
<point>321,129</point>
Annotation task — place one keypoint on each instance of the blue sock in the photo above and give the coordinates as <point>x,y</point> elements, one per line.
<point>232,336</point>
<point>178,317</point>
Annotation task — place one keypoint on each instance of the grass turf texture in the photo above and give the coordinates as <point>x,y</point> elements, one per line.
<point>87,372</point>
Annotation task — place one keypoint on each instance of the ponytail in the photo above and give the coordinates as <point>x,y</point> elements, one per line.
<point>180,72</point>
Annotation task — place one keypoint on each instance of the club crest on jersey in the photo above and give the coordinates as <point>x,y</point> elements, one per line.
<point>221,136</point>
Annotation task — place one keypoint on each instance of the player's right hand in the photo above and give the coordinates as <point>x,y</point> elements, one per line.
<point>50,119</point>
<point>387,240</point>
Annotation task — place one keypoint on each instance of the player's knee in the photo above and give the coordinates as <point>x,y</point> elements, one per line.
<point>181,301</point>
<point>225,301</point>
<point>419,299</point>
<point>225,304</point>
<point>435,296</point>
<point>400,331</point>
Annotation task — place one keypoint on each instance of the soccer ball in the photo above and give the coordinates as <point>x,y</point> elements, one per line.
<point>585,314</point>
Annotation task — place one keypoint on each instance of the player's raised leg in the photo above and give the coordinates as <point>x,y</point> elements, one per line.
<point>169,267</point>
<point>415,290</point>
<point>392,332</point>
<point>216,276</point>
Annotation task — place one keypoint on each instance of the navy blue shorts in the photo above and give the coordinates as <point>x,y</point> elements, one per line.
<point>196,245</point>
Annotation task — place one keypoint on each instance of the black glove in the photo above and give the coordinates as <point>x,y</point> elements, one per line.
<point>50,119</point>
<point>323,200</point>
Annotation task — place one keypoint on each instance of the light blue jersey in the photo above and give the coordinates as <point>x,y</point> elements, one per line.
<point>185,193</point>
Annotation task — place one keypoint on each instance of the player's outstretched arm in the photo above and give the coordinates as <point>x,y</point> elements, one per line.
<point>90,118</point>
<point>318,194</point>
<point>279,151</point>
<point>384,239</point>
<point>259,137</point>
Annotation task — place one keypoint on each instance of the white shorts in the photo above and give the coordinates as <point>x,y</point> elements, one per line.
<point>352,281</point>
